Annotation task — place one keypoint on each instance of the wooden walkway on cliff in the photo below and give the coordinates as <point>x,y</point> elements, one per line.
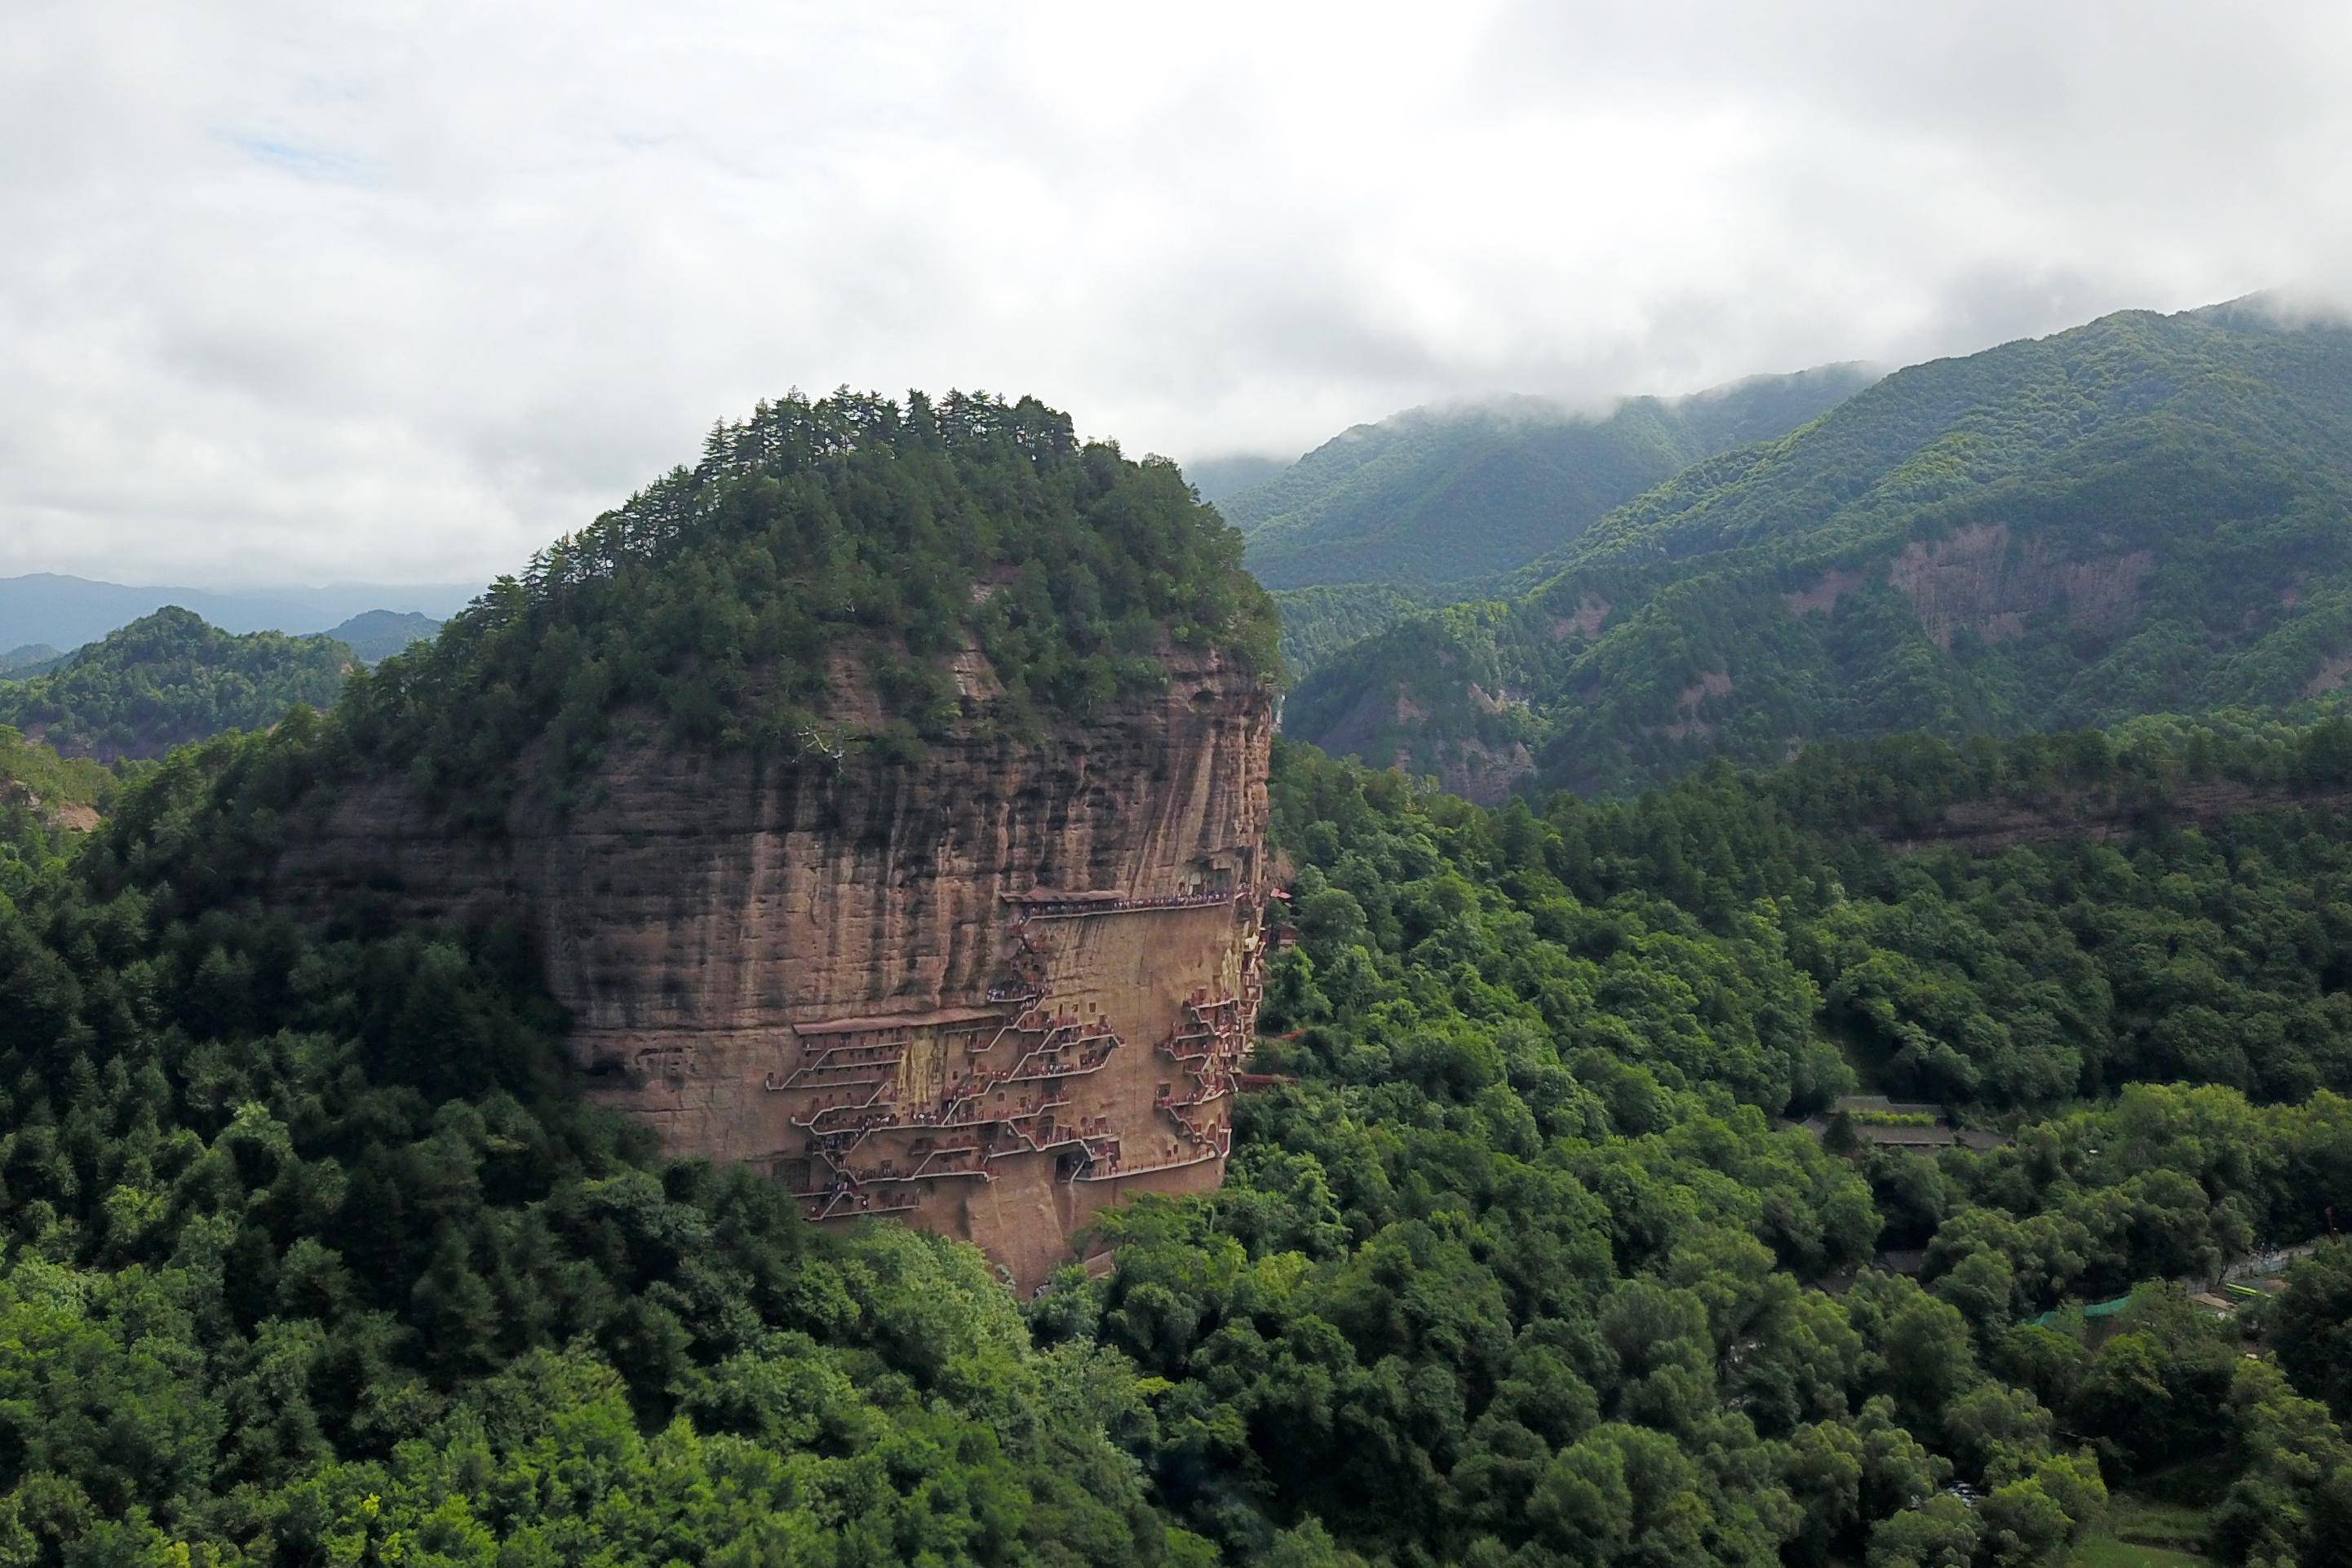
<point>1061,905</point>
<point>852,1066</point>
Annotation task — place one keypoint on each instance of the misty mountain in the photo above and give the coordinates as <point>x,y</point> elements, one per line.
<point>1449,494</point>
<point>31,659</point>
<point>67,612</point>
<point>1219,480</point>
<point>376,634</point>
<point>2145,514</point>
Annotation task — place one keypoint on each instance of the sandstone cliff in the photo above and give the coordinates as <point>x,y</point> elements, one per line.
<point>989,991</point>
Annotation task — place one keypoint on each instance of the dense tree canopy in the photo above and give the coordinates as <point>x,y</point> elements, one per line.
<point>720,600</point>
<point>2145,514</point>
<point>169,678</point>
<point>1320,621</point>
<point>310,1253</point>
<point>1464,494</point>
<point>312,1256</point>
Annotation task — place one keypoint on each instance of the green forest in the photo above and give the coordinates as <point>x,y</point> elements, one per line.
<point>1549,1239</point>
<point>376,634</point>
<point>312,1256</point>
<point>1544,784</point>
<point>168,679</point>
<point>711,603</point>
<point>1321,622</point>
<point>1456,496</point>
<point>2141,515</point>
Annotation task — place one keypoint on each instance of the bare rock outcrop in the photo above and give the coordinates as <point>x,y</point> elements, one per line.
<point>1973,580</point>
<point>989,991</point>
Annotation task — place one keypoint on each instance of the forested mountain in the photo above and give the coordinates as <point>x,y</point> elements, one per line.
<point>715,600</point>
<point>315,1254</point>
<point>1448,494</point>
<point>168,679</point>
<point>376,634</point>
<point>1219,480</point>
<point>30,659</point>
<point>2145,515</point>
<point>46,802</point>
<point>312,1255</point>
<point>67,612</point>
<point>313,1247</point>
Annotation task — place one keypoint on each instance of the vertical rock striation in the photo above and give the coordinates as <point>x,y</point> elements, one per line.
<point>989,991</point>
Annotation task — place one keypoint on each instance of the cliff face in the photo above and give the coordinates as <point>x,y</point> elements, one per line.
<point>1975,580</point>
<point>989,991</point>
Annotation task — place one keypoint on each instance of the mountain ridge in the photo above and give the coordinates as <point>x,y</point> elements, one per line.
<point>69,612</point>
<point>2141,514</point>
<point>375,636</point>
<point>891,769</point>
<point>1457,492</point>
<point>169,678</point>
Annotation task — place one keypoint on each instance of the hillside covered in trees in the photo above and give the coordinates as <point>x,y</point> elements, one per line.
<point>314,1255</point>
<point>2143,514</point>
<point>46,803</point>
<point>374,635</point>
<point>712,605</point>
<point>309,1238</point>
<point>170,678</point>
<point>1443,495</point>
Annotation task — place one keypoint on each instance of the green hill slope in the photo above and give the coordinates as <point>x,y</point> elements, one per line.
<point>170,678</point>
<point>47,803</point>
<point>2145,515</point>
<point>1443,495</point>
<point>714,597</point>
<point>312,1256</point>
<point>376,634</point>
<point>1219,480</point>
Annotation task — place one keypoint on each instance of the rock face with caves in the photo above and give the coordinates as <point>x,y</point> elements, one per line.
<point>988,991</point>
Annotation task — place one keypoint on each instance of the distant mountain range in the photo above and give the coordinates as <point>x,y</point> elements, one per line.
<point>68,612</point>
<point>377,635</point>
<point>2149,513</point>
<point>1449,495</point>
<point>1219,480</point>
<point>28,660</point>
<point>169,678</point>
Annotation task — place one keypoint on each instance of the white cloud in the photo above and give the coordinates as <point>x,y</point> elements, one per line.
<point>329,290</point>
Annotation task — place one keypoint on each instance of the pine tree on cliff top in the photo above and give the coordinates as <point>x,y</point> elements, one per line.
<point>716,597</point>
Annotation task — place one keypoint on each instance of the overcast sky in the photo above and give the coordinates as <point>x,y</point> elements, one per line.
<point>308,291</point>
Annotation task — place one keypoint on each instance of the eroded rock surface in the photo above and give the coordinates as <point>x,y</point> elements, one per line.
<point>989,991</point>
<point>1974,581</point>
